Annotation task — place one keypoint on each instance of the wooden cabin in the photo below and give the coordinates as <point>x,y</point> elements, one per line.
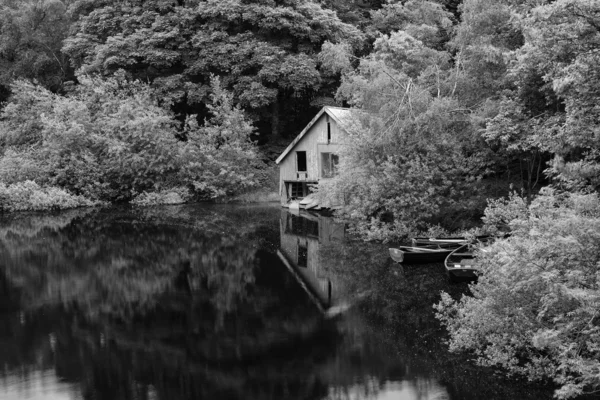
<point>311,157</point>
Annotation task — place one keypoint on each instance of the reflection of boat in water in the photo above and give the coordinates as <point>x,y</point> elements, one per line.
<point>302,236</point>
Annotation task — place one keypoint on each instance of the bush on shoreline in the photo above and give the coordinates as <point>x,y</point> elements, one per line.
<point>168,196</point>
<point>111,139</point>
<point>535,308</point>
<point>29,196</point>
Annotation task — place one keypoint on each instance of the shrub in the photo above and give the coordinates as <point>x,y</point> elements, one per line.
<point>110,139</point>
<point>176,195</point>
<point>218,158</point>
<point>28,195</point>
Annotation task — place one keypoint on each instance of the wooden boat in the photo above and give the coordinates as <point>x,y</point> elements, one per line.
<point>460,263</point>
<point>448,241</point>
<point>419,255</point>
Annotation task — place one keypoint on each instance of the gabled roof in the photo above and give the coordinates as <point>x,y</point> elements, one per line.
<point>338,114</point>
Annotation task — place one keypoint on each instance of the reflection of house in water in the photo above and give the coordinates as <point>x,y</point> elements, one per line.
<point>302,236</point>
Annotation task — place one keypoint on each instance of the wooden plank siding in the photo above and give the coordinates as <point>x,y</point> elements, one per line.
<point>313,142</point>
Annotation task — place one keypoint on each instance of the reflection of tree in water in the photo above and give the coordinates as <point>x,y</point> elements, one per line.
<point>191,302</point>
<point>33,224</point>
<point>119,264</point>
<point>372,389</point>
<point>150,304</point>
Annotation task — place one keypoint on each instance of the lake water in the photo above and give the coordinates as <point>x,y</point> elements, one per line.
<point>221,302</point>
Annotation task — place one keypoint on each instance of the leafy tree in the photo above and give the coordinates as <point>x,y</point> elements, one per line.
<point>354,12</point>
<point>484,40</point>
<point>219,157</point>
<point>545,107</point>
<point>427,21</point>
<point>414,149</point>
<point>21,123</point>
<point>507,94</point>
<point>31,36</point>
<point>513,134</point>
<point>563,39</point>
<point>534,310</point>
<point>264,52</point>
<point>110,140</point>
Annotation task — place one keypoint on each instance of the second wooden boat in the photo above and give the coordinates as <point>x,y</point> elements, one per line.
<point>419,255</point>
<point>448,241</point>
<point>460,264</point>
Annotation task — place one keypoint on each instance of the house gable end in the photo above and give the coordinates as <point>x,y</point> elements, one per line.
<point>307,129</point>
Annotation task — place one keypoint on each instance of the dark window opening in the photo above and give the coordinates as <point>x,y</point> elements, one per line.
<point>328,132</point>
<point>302,256</point>
<point>329,165</point>
<point>301,161</point>
<point>297,190</point>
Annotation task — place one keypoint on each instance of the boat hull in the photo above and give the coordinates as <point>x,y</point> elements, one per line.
<point>410,255</point>
<point>448,241</point>
<point>460,264</point>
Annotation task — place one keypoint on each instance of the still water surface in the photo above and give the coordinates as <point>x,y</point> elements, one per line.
<point>221,302</point>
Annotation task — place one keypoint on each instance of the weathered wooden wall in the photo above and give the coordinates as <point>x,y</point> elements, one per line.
<point>313,142</point>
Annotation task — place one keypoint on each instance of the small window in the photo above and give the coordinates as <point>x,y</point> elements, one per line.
<point>329,165</point>
<point>328,132</point>
<point>301,161</point>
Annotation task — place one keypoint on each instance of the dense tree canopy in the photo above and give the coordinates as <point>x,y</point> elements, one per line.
<point>110,140</point>
<point>563,44</point>
<point>416,148</point>
<point>458,91</point>
<point>264,51</point>
<point>490,98</point>
<point>31,37</point>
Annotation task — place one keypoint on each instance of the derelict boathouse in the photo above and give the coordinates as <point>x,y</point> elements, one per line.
<point>311,157</point>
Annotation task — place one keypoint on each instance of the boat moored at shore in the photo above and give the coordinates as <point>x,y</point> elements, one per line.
<point>419,255</point>
<point>460,263</point>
